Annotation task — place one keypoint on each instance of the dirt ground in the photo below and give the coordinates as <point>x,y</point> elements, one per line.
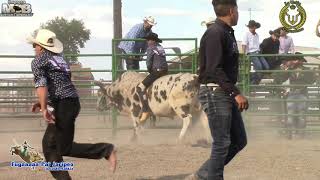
<point>158,156</point>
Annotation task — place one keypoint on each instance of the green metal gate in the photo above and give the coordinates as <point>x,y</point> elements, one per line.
<point>270,99</point>
<point>244,83</point>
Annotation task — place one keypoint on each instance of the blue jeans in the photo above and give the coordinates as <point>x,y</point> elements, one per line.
<point>259,63</point>
<point>131,64</point>
<point>227,130</point>
<point>296,108</point>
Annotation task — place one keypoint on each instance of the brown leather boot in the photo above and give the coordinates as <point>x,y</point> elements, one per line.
<point>144,116</point>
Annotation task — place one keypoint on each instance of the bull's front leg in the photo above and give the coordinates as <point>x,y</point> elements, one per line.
<point>205,124</point>
<point>137,128</point>
<point>135,116</point>
<point>186,122</point>
<point>182,110</point>
<point>134,137</point>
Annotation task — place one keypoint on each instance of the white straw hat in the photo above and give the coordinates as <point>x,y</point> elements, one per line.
<point>209,21</point>
<point>150,20</point>
<point>48,40</point>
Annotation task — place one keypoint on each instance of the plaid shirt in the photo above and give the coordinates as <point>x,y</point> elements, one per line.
<point>135,32</point>
<point>156,58</point>
<point>52,71</point>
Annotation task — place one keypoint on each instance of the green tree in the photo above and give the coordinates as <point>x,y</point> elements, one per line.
<point>72,34</point>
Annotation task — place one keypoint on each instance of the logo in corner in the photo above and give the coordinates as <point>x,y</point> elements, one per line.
<point>293,16</point>
<point>26,152</point>
<point>16,8</point>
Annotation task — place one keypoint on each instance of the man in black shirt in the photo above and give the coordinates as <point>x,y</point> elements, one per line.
<point>271,46</point>
<point>223,101</point>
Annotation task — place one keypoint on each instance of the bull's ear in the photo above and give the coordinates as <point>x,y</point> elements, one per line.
<point>101,85</point>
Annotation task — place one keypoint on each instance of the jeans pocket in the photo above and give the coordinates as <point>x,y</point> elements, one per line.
<point>203,97</point>
<point>211,105</point>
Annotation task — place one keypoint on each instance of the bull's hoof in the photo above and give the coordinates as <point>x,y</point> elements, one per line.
<point>179,141</point>
<point>202,143</point>
<point>182,141</point>
<point>134,139</point>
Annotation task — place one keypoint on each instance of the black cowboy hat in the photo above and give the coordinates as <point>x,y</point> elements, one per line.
<point>294,58</point>
<point>301,58</point>
<point>153,36</point>
<point>253,23</point>
<point>275,32</point>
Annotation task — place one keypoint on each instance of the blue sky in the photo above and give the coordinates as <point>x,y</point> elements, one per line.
<point>176,18</point>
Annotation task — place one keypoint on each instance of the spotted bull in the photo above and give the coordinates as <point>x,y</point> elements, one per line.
<point>169,96</point>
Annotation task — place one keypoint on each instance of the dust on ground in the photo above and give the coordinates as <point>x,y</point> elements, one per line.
<point>157,155</point>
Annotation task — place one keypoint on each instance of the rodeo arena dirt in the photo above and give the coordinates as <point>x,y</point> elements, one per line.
<point>157,155</point>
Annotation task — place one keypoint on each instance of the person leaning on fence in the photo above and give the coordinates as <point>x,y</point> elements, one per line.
<point>318,29</point>
<point>250,46</point>
<point>207,22</point>
<point>271,46</point>
<point>157,66</point>
<point>136,47</point>
<point>220,98</point>
<point>299,92</point>
<point>286,42</point>
<point>52,78</point>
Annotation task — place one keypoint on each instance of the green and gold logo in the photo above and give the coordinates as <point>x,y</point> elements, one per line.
<point>293,16</point>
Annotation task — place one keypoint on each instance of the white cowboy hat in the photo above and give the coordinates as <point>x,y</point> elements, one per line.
<point>150,20</point>
<point>48,40</point>
<point>209,21</point>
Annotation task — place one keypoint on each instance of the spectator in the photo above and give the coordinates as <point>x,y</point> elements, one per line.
<point>250,45</point>
<point>296,93</point>
<point>207,22</point>
<point>132,47</point>
<point>286,42</point>
<point>271,46</point>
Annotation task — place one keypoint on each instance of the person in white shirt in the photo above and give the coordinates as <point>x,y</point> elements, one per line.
<point>286,43</point>
<point>318,29</point>
<point>250,46</point>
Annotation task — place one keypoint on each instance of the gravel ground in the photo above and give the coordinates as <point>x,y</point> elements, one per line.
<point>157,155</point>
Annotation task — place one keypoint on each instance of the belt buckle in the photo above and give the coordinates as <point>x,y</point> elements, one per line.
<point>211,86</point>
